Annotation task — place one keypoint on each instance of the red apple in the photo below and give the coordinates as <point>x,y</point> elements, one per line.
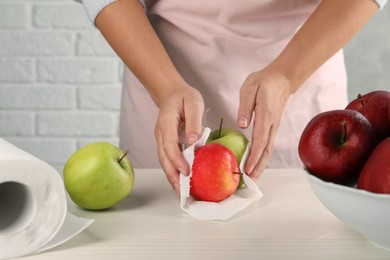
<point>374,106</point>
<point>215,173</point>
<point>388,112</point>
<point>375,175</point>
<point>335,144</point>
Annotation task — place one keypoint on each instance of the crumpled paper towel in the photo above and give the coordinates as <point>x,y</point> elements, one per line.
<point>33,205</point>
<point>222,210</point>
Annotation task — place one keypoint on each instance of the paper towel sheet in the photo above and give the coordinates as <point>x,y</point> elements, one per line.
<point>222,210</point>
<point>33,205</point>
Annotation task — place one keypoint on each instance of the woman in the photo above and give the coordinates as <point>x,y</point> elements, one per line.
<point>266,66</point>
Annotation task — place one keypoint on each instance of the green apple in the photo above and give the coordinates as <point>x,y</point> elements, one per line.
<point>232,139</point>
<point>98,176</point>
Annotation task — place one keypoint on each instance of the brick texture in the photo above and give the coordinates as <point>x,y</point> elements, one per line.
<point>60,81</point>
<point>57,16</point>
<point>17,70</point>
<point>14,16</point>
<point>21,43</point>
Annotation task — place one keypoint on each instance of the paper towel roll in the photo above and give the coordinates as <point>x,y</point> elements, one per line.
<point>33,205</point>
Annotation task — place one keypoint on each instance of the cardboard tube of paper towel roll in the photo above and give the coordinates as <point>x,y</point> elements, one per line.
<point>33,204</point>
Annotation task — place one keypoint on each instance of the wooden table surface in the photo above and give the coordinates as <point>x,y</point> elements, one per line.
<point>289,222</point>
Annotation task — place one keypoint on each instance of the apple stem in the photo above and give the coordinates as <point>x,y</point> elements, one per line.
<point>237,173</point>
<point>220,128</point>
<point>359,96</point>
<point>123,156</point>
<point>344,138</point>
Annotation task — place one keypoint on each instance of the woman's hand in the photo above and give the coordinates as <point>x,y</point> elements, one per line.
<point>266,92</point>
<point>263,96</point>
<point>127,28</point>
<point>182,105</point>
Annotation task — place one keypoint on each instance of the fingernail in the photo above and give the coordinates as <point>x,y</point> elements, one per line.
<point>250,169</point>
<point>243,122</point>
<point>193,138</point>
<point>182,171</point>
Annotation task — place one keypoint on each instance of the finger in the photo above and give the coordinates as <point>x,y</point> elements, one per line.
<point>260,136</point>
<point>265,156</point>
<point>170,144</point>
<point>247,103</point>
<point>170,171</point>
<point>193,111</point>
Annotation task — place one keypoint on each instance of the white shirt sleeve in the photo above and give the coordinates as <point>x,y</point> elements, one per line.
<point>381,3</point>
<point>93,7</point>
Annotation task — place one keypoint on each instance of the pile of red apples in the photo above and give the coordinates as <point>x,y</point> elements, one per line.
<point>351,146</point>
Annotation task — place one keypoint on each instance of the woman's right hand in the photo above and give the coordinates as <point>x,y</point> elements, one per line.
<point>127,29</point>
<point>179,106</point>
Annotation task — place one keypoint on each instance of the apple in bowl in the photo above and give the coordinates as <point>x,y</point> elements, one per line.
<point>374,106</point>
<point>335,145</point>
<point>340,149</point>
<point>375,175</point>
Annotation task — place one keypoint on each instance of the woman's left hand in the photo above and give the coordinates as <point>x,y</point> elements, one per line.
<point>263,97</point>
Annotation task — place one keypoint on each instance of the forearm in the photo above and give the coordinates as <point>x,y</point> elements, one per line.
<point>128,31</point>
<point>327,30</point>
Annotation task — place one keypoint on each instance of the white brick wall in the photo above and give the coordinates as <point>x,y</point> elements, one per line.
<point>60,82</point>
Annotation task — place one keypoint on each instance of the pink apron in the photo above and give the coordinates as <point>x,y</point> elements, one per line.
<point>215,45</point>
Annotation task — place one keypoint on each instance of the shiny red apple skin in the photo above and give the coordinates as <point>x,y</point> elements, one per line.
<point>214,173</point>
<point>360,101</point>
<point>374,106</point>
<point>326,153</point>
<point>375,175</point>
<point>388,112</point>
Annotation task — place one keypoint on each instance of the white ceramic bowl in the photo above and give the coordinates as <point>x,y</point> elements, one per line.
<point>366,212</point>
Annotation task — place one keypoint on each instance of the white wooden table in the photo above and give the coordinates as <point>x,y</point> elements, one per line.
<point>289,222</point>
